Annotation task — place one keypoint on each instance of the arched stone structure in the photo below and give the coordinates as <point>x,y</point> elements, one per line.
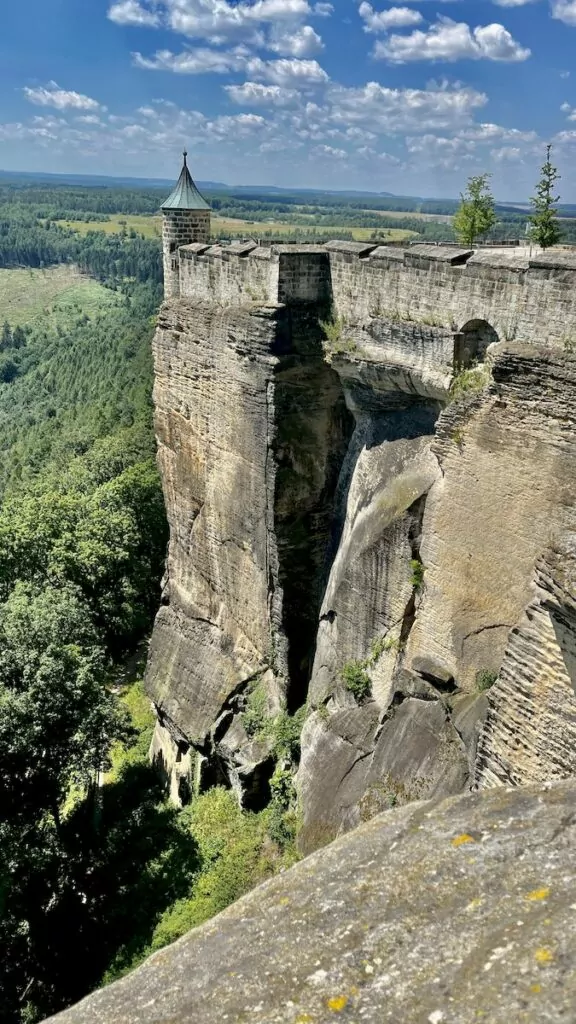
<point>471,342</point>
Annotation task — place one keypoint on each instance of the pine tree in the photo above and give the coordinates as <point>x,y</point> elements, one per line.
<point>19,337</point>
<point>475,215</point>
<point>544,227</point>
<point>6,337</point>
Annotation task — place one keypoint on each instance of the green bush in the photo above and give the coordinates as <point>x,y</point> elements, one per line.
<point>285,731</point>
<point>469,381</point>
<point>255,715</point>
<point>357,681</point>
<point>418,570</point>
<point>282,815</point>
<point>485,678</point>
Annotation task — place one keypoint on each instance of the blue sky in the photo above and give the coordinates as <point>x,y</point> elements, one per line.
<point>409,97</point>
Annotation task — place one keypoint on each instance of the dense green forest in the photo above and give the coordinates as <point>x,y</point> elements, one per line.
<point>96,868</point>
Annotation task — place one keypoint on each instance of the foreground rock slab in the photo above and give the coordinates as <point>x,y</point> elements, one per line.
<point>448,912</point>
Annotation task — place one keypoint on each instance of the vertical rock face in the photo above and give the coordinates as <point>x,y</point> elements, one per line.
<point>251,428</point>
<point>530,731</point>
<point>398,744</point>
<point>344,533</point>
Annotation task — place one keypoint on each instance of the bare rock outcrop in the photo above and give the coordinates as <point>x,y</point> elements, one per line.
<point>530,730</point>
<point>442,912</point>
<point>494,598</point>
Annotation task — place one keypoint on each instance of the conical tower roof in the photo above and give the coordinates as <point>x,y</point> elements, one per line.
<point>185,196</point>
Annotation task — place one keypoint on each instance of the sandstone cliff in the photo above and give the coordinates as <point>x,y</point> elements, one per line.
<point>351,529</point>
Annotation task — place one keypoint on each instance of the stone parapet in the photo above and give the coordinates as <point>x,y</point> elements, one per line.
<point>524,299</point>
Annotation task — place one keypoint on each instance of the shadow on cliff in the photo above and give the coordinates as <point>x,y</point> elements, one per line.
<point>127,858</point>
<point>313,432</point>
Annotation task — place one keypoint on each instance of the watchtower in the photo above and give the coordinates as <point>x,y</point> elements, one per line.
<point>185,219</point>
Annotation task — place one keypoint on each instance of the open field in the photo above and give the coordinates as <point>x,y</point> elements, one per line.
<point>142,224</point>
<point>151,227</point>
<point>438,218</point>
<point>260,228</point>
<point>62,292</point>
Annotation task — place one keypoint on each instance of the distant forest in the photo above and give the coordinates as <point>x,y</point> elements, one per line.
<point>32,232</point>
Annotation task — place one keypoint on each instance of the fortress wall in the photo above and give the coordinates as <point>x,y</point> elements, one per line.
<point>211,274</point>
<point>304,274</point>
<point>235,275</point>
<point>528,301</point>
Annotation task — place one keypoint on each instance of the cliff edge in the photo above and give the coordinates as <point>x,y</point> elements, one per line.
<point>435,913</point>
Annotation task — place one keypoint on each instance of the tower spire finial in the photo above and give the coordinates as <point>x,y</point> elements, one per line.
<point>185,154</point>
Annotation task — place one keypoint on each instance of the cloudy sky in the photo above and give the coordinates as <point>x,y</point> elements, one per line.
<point>408,97</point>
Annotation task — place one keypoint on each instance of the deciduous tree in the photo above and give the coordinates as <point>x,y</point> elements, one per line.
<point>475,215</point>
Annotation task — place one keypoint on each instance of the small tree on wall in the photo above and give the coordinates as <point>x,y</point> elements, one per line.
<point>544,227</point>
<point>475,215</point>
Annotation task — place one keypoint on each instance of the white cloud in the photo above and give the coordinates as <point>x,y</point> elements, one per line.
<point>52,95</point>
<point>329,151</point>
<point>507,154</point>
<point>196,61</point>
<point>564,138</point>
<point>255,94</point>
<point>570,111</point>
<point>438,145</point>
<point>278,25</point>
<point>449,40</point>
<point>221,22</point>
<point>377,107</point>
<point>289,73</point>
<point>564,10</point>
<point>513,3</point>
<point>303,42</point>
<point>490,133</point>
<point>393,17</point>
<point>130,12</point>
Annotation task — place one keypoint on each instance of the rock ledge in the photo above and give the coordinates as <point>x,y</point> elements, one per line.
<point>445,912</point>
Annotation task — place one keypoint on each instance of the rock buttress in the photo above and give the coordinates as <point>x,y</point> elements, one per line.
<point>251,427</point>
<point>456,565</point>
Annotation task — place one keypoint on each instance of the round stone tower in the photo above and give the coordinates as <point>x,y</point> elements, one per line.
<point>185,219</point>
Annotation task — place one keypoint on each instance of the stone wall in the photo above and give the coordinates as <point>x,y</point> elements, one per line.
<point>229,275</point>
<point>532,301</point>
<point>528,300</point>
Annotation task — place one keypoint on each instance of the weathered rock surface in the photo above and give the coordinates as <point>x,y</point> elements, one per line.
<point>530,731</point>
<point>496,489</point>
<point>435,913</point>
<point>324,517</point>
<point>507,467</point>
<point>251,428</point>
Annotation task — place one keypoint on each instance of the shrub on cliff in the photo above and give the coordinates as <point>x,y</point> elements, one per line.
<point>357,681</point>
